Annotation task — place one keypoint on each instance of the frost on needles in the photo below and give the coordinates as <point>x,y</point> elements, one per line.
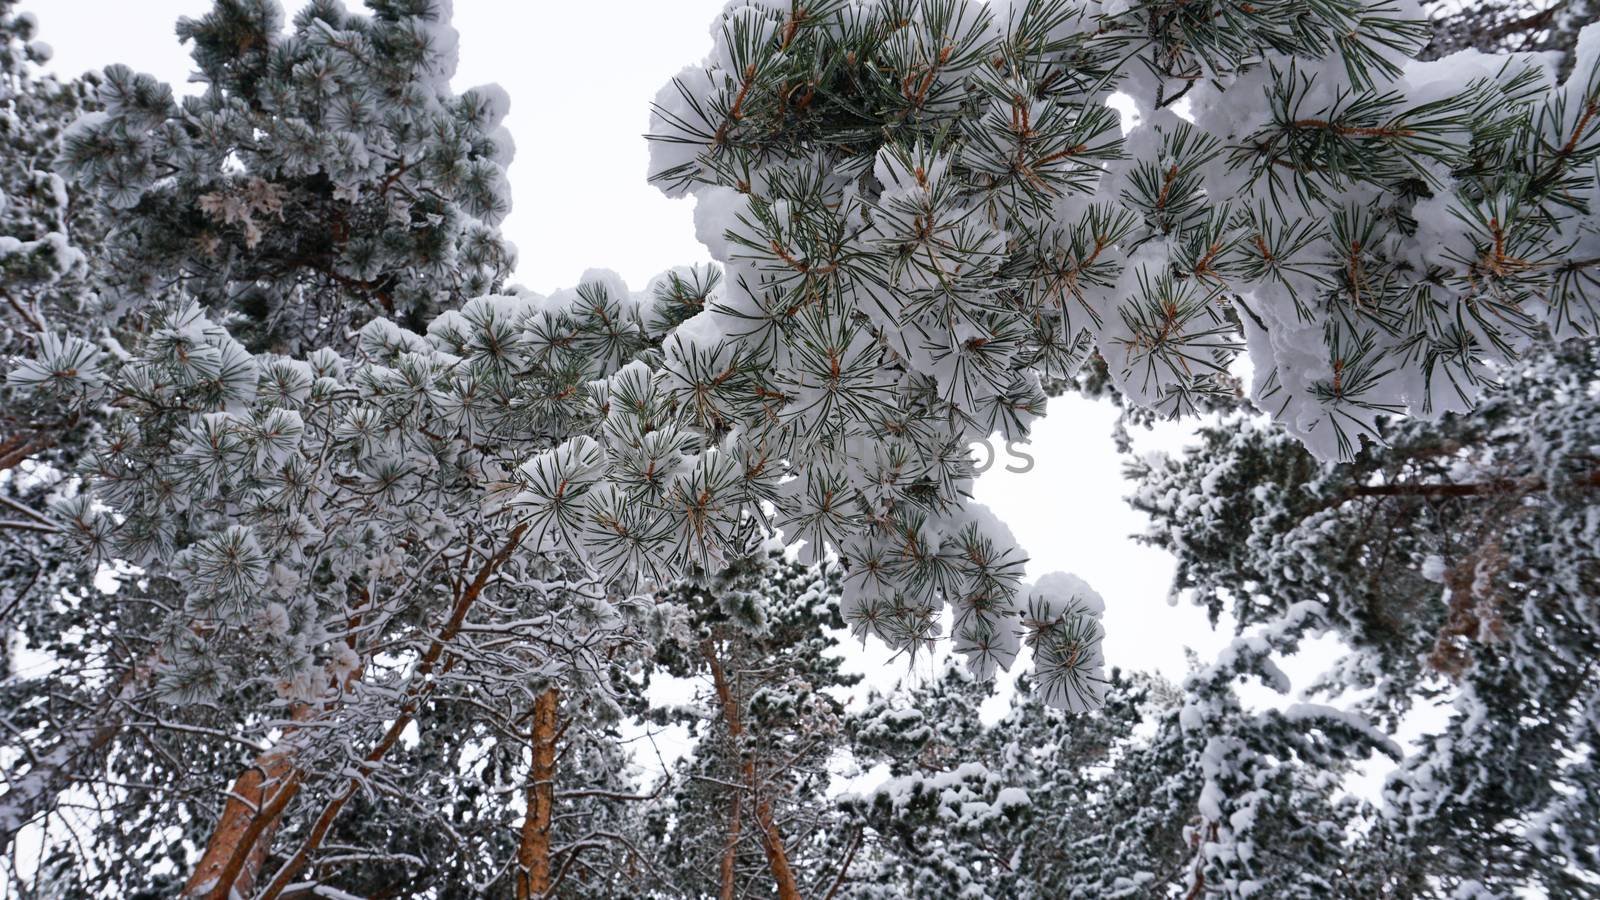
<point>921,210</point>
<point>924,210</point>
<point>279,346</point>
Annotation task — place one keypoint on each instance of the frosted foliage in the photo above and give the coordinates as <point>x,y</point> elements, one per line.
<point>340,451</point>
<point>295,516</point>
<point>48,321</point>
<point>922,209</point>
<point>326,174</point>
<point>1458,567</point>
<point>1357,240</point>
<point>380,502</point>
<point>1380,228</point>
<point>894,292</point>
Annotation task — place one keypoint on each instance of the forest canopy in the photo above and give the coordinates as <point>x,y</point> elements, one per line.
<point>335,563</point>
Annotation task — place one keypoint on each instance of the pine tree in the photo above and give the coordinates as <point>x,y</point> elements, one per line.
<point>1164,791</point>
<point>325,177</point>
<point>366,484</point>
<point>46,282</point>
<point>231,639</point>
<point>945,822</point>
<point>748,815</point>
<point>925,208</point>
<point>1458,564</point>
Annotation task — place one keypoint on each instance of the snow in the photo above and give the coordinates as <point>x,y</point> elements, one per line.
<point>968,797</point>
<point>1210,802</point>
<point>685,132</point>
<point>1011,797</point>
<point>1287,349</point>
<point>1311,713</point>
<point>1063,592</point>
<point>492,101</point>
<point>716,211</point>
<point>53,251</point>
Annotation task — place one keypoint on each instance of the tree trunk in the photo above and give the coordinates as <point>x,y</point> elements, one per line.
<point>239,843</point>
<point>771,838</point>
<point>730,851</point>
<point>772,842</point>
<point>16,448</point>
<point>533,854</point>
<point>1503,486</point>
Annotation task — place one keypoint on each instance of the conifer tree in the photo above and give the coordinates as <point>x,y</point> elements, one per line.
<point>365,484</point>
<point>326,176</point>
<point>186,665</point>
<point>46,283</point>
<point>944,823</point>
<point>748,815</point>
<point>1165,791</point>
<point>923,208</point>
<point>1459,565</point>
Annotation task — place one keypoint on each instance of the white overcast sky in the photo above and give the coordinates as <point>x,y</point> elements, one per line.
<point>581,77</point>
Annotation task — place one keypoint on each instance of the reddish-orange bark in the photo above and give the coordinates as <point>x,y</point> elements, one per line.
<point>533,853</point>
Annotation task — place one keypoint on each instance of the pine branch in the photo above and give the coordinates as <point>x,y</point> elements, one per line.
<point>416,694</point>
<point>1499,487</point>
<point>242,844</point>
<point>844,867</point>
